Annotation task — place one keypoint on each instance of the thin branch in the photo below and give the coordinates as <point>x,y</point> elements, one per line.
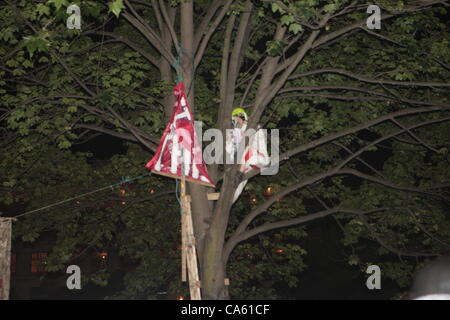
<point>151,37</point>
<point>299,19</point>
<point>153,60</point>
<point>224,63</point>
<point>121,135</point>
<point>391,135</point>
<point>201,47</point>
<point>359,98</point>
<point>330,87</point>
<point>334,171</point>
<point>239,237</point>
<point>347,9</point>
<point>388,183</point>
<point>371,80</point>
<point>326,38</point>
<point>345,132</point>
<point>421,227</point>
<point>405,141</point>
<point>169,25</point>
<point>201,30</point>
<point>157,12</point>
<point>263,99</point>
<point>73,75</point>
<point>390,247</point>
<point>136,132</point>
<point>234,65</point>
<point>359,159</point>
<point>414,136</point>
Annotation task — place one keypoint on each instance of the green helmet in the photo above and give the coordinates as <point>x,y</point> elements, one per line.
<point>239,112</point>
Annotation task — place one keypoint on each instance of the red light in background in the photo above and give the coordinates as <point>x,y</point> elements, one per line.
<point>103,255</point>
<point>268,191</point>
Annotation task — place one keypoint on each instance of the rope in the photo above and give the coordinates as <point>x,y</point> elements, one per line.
<point>123,181</point>
<point>177,66</point>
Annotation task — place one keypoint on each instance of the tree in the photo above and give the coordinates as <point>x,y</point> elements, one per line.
<point>363,113</point>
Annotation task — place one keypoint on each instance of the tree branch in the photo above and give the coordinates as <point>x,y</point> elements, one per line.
<point>262,100</point>
<point>334,171</point>
<point>150,35</point>
<point>391,248</point>
<point>415,136</point>
<point>239,237</point>
<point>233,67</point>
<point>345,132</point>
<point>136,131</point>
<point>201,47</point>
<point>391,135</point>
<point>329,87</point>
<point>121,135</point>
<point>169,24</point>
<point>387,183</point>
<point>421,5</point>
<point>371,80</point>
<point>153,60</point>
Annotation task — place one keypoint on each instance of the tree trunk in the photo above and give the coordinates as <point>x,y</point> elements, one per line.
<point>213,272</point>
<point>201,211</point>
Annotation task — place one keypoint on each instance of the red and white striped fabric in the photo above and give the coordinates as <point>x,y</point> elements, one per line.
<point>178,151</point>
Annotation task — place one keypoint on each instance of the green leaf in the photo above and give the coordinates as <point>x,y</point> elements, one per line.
<point>37,43</point>
<point>64,144</point>
<point>89,118</point>
<point>42,9</point>
<point>287,19</point>
<point>116,7</point>
<point>275,48</point>
<point>43,59</point>
<point>93,9</point>
<point>353,260</point>
<point>58,3</point>
<point>28,64</point>
<point>275,7</point>
<point>295,28</point>
<point>330,7</point>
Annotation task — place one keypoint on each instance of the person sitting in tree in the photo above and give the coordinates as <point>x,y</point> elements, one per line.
<point>255,155</point>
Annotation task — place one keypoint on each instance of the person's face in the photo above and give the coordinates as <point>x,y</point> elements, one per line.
<point>238,122</point>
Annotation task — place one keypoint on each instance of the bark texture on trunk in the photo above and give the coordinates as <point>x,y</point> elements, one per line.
<point>209,247</point>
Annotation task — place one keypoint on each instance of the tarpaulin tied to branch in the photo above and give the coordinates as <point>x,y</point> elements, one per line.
<point>178,151</point>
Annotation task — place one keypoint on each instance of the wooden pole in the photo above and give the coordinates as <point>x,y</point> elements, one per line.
<point>190,252</point>
<point>183,243</point>
<point>5,256</point>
